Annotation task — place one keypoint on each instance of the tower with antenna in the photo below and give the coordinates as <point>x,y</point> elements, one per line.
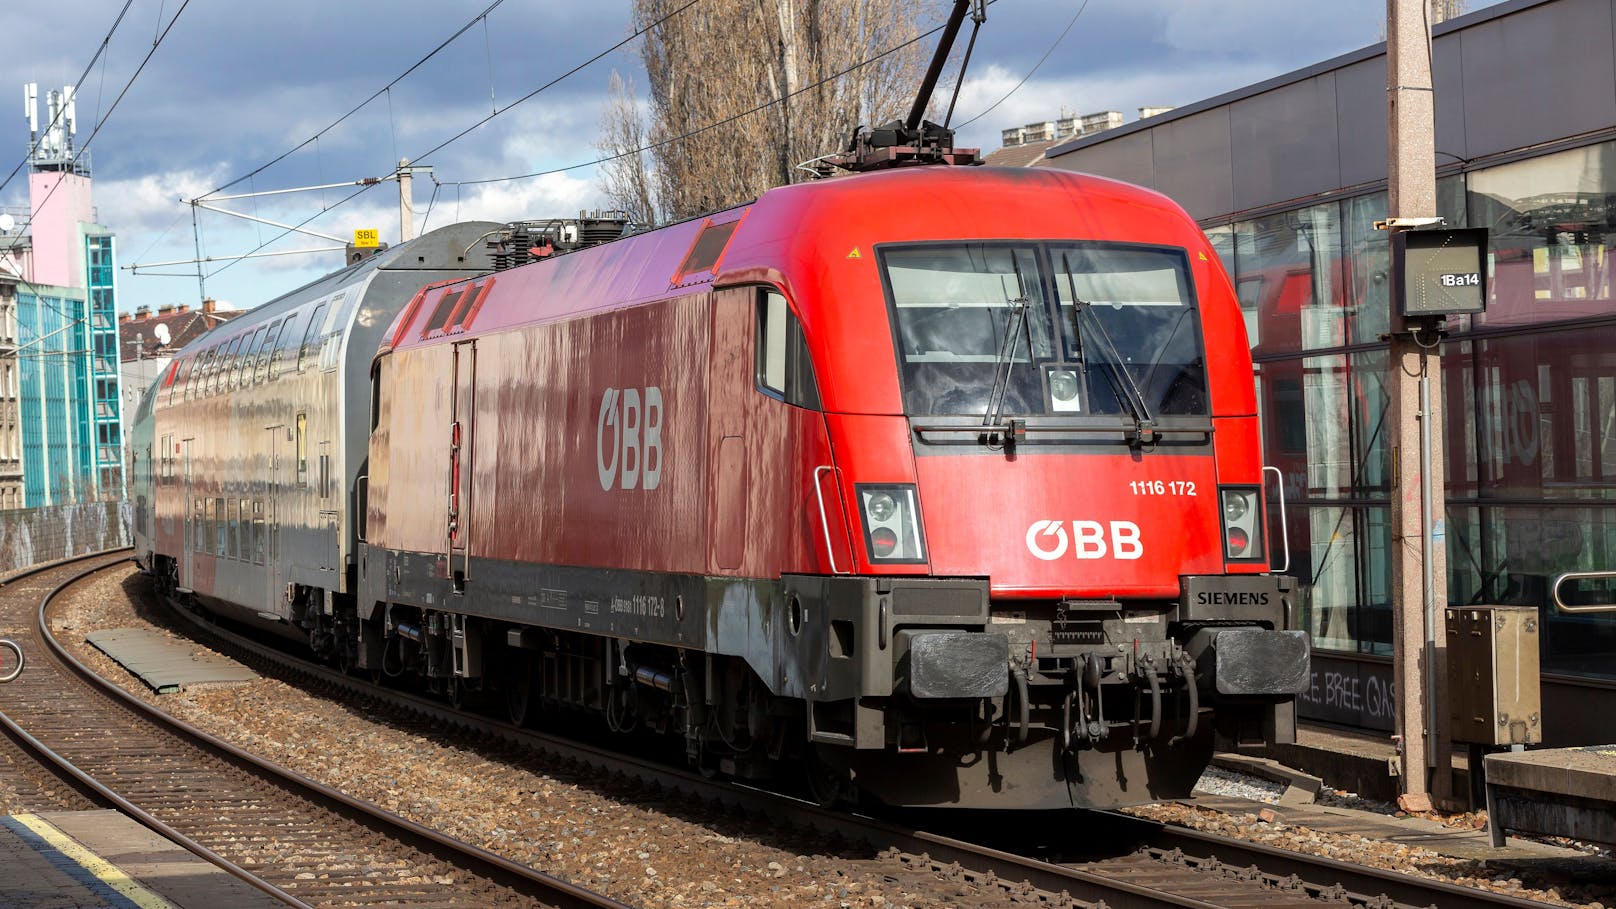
<point>51,149</point>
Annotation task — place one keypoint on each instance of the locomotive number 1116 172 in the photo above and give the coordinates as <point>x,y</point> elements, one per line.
<point>1162,487</point>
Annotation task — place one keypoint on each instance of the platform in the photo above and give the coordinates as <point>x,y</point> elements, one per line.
<point>1567,792</point>
<point>95,859</point>
<point>166,664</point>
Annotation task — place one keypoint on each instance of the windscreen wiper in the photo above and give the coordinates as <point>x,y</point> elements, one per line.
<point>1006,361</point>
<point>1116,373</point>
<point>1001,368</point>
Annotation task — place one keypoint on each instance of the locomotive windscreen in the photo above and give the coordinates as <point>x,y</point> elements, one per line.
<point>1046,328</point>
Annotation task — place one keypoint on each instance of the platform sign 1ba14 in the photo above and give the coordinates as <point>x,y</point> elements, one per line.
<point>1440,272</point>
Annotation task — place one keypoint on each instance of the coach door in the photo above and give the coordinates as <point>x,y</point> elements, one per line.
<point>274,573</point>
<point>462,431</point>
<point>192,524</point>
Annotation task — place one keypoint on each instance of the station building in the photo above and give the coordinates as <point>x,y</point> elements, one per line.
<point>1287,178</point>
<point>60,438</point>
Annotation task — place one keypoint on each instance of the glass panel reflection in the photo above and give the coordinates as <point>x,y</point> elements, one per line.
<point>1549,218</point>
<point>1510,556</point>
<point>1289,268</point>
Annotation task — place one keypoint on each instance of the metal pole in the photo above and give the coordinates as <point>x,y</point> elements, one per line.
<point>406,202</point>
<point>1427,555</point>
<point>1417,503</point>
<point>944,45</point>
<point>196,238</point>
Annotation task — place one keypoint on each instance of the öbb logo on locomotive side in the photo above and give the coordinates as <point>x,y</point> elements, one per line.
<point>628,438</point>
<point>1048,540</point>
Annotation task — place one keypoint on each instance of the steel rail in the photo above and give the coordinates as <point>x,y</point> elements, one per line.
<point>529,881</point>
<point>1361,884</point>
<point>95,789</point>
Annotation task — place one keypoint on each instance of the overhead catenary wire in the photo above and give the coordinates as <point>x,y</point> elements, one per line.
<point>576,69</point>
<point>710,126</point>
<point>607,158</point>
<point>1058,39</point>
<point>361,105</point>
<point>441,145</point>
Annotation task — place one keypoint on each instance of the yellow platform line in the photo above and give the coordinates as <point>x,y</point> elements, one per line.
<point>103,870</point>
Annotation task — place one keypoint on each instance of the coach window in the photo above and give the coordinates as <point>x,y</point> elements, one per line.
<point>176,381</point>
<point>289,336</point>
<point>311,336</point>
<point>376,379</point>
<point>232,357</point>
<point>261,371</point>
<point>258,531</point>
<point>205,387</point>
<point>302,449</point>
<point>221,526</point>
<point>199,374</point>
<point>784,369</point>
<point>204,375</point>
<point>221,375</point>
<point>249,357</point>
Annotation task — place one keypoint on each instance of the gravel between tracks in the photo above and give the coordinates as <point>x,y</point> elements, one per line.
<point>617,844</point>
<point>605,836</point>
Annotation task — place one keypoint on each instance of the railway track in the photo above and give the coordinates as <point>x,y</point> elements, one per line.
<point>1161,866</point>
<point>303,842</point>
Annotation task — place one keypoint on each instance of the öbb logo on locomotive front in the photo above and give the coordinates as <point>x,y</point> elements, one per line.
<point>1090,537</point>
<point>632,455</point>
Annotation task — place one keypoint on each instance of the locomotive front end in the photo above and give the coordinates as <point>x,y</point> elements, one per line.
<point>1067,576</point>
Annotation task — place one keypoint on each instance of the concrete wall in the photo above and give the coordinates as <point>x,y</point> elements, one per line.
<point>29,536</point>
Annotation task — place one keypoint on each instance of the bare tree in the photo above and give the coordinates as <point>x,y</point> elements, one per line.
<point>627,179</point>
<point>1443,10</point>
<point>742,91</point>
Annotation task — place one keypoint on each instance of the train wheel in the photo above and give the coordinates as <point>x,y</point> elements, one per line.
<point>829,784</point>
<point>519,692</point>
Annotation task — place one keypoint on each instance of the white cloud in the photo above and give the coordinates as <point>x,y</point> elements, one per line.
<point>142,206</point>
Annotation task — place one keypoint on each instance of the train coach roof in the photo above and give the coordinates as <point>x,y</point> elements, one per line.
<point>437,250</point>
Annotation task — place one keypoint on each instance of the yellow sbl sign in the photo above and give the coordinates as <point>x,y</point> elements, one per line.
<point>366,237</point>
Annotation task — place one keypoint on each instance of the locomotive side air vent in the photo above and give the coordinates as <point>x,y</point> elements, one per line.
<point>521,242</point>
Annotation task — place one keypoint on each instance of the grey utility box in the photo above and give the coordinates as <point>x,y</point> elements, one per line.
<point>1493,675</point>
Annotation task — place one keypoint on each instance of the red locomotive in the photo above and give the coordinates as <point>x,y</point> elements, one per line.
<point>945,480</point>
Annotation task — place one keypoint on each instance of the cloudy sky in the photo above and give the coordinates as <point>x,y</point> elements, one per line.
<point>230,87</point>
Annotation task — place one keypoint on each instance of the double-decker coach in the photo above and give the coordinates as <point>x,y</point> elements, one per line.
<point>254,439</point>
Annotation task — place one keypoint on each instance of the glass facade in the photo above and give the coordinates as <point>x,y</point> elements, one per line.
<point>53,372</point>
<point>1529,390</point>
<point>105,455</point>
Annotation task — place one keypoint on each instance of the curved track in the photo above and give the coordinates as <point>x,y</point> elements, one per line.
<point>1163,866</point>
<point>308,844</point>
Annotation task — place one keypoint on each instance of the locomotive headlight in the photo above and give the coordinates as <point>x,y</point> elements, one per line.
<point>1235,506</point>
<point>892,532</point>
<point>881,506</point>
<point>1242,524</point>
<point>1063,390</point>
